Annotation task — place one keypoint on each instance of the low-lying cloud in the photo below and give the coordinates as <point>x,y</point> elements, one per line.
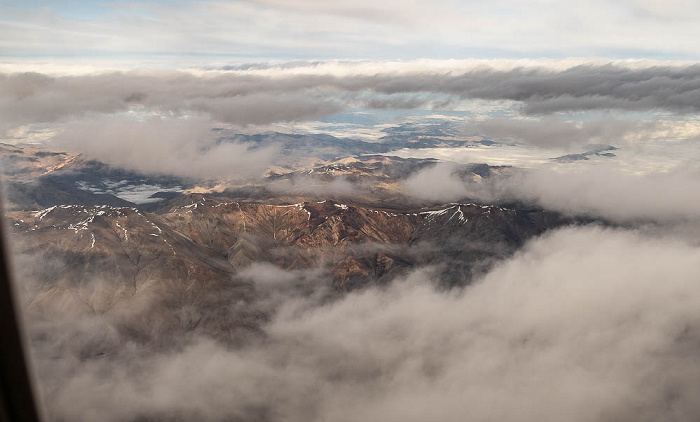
<point>610,193</point>
<point>554,132</point>
<point>583,324</point>
<point>589,190</point>
<point>437,183</point>
<point>182,147</point>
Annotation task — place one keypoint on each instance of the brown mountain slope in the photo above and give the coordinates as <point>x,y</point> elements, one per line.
<point>223,237</point>
<point>185,269</point>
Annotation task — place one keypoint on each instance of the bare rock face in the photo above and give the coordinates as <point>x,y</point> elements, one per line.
<point>187,268</point>
<point>220,238</point>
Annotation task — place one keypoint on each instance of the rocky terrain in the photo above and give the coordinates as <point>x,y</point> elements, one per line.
<point>160,263</point>
<point>193,250</point>
<point>39,178</point>
<point>115,267</point>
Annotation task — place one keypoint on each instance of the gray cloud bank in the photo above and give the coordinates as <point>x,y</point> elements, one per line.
<point>583,324</point>
<point>288,94</point>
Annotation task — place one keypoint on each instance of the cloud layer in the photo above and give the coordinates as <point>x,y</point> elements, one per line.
<point>299,92</point>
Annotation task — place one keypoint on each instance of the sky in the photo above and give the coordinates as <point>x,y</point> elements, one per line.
<point>181,31</point>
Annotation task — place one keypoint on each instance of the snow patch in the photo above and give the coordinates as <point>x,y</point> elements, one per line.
<point>41,214</point>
